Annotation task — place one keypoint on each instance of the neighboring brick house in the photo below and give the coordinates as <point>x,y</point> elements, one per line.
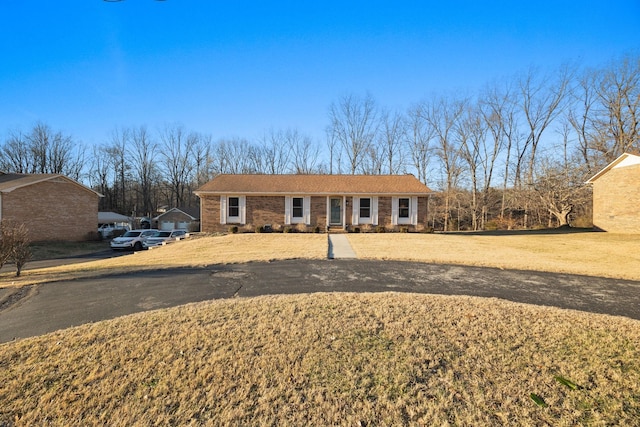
<point>184,218</point>
<point>616,195</point>
<point>52,206</point>
<point>310,201</point>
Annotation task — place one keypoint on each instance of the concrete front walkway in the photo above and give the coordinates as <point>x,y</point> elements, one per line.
<point>339,247</point>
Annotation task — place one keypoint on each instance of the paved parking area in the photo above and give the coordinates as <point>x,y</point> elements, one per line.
<point>44,308</point>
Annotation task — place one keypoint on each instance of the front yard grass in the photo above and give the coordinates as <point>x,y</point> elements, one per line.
<point>588,253</point>
<point>330,359</point>
<point>340,358</point>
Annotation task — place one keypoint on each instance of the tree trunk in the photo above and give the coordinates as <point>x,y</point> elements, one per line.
<point>562,215</point>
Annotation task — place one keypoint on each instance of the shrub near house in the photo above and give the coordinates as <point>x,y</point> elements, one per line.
<point>310,201</point>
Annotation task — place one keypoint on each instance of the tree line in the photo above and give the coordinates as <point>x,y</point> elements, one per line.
<point>514,154</point>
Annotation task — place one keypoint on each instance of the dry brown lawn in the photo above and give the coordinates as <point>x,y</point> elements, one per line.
<point>193,252</point>
<point>330,359</point>
<point>340,359</point>
<point>589,253</point>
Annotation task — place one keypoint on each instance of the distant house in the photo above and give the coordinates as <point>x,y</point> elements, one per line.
<point>616,195</point>
<point>310,201</point>
<point>183,218</point>
<point>52,206</point>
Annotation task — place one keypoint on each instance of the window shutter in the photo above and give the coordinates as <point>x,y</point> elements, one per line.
<point>414,210</point>
<point>307,209</point>
<point>374,210</point>
<point>243,209</point>
<point>223,209</point>
<point>355,214</point>
<point>394,211</point>
<point>287,210</point>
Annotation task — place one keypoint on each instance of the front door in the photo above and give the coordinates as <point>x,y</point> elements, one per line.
<point>335,214</point>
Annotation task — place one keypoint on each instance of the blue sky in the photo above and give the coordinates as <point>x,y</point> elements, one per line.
<point>237,68</point>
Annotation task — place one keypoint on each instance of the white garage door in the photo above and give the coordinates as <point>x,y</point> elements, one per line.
<point>166,225</point>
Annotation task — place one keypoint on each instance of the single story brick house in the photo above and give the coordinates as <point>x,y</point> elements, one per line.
<point>308,202</point>
<point>183,218</point>
<point>52,206</point>
<point>616,195</point>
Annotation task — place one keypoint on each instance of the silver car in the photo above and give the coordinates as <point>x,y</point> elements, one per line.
<point>163,237</point>
<point>132,240</point>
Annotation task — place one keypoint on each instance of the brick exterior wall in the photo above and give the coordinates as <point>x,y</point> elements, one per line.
<point>53,210</point>
<point>616,200</point>
<point>261,210</point>
<point>210,214</point>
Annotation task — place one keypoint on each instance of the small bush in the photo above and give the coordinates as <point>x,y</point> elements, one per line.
<point>316,229</point>
<point>259,229</point>
<point>356,229</point>
<point>286,229</point>
<point>404,229</point>
<point>233,229</point>
<point>380,229</point>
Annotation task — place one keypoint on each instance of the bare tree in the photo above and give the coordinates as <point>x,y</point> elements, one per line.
<point>14,244</point>
<point>234,156</point>
<point>581,118</point>
<point>354,125</point>
<point>559,186</point>
<point>542,100</point>
<point>392,137</point>
<point>418,136</point>
<point>121,164</point>
<point>305,153</point>
<point>143,154</point>
<point>335,154</point>
<point>276,151</point>
<point>442,115</point>
<point>618,91</point>
<point>42,150</point>
<point>471,132</point>
<point>177,161</point>
<point>496,108</point>
<point>100,176</point>
<point>202,159</point>
<point>15,155</point>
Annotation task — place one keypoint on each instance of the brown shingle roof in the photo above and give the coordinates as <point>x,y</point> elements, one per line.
<point>314,184</point>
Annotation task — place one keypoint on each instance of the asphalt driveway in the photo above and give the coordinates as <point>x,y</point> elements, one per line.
<point>39,309</point>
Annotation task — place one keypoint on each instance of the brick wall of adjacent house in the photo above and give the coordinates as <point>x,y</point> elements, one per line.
<point>616,200</point>
<point>263,210</point>
<point>53,210</point>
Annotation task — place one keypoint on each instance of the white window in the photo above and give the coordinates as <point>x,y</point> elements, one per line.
<point>403,207</point>
<point>297,204</point>
<point>365,210</point>
<point>404,210</point>
<point>297,210</point>
<point>233,209</point>
<point>365,207</point>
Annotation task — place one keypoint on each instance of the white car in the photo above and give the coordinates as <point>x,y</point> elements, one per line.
<point>163,237</point>
<point>132,240</point>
